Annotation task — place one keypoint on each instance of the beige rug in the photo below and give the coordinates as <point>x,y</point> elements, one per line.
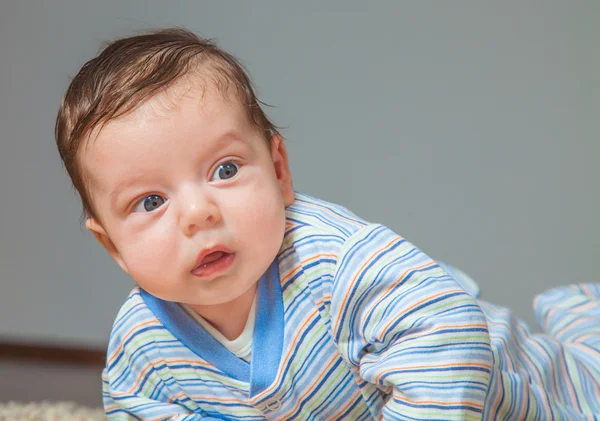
<point>49,411</point>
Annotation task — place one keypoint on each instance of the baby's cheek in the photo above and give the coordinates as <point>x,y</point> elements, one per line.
<point>267,231</point>
<point>265,214</point>
<point>149,258</point>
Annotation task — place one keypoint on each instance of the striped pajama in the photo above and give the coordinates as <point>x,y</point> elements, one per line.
<point>355,323</point>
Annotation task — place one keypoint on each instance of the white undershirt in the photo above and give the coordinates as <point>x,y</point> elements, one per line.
<point>241,346</point>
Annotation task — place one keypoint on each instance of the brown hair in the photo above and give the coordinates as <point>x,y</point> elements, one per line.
<point>130,70</point>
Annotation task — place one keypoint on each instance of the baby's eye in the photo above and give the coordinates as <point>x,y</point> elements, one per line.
<point>149,203</point>
<point>225,171</point>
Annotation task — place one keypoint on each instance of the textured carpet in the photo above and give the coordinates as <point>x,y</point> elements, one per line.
<point>49,411</point>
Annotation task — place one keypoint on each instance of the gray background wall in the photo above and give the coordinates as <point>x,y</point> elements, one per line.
<point>471,128</point>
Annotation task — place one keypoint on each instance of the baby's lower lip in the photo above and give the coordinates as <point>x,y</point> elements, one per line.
<point>214,268</point>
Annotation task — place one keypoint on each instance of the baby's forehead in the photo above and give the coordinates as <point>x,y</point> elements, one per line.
<point>209,98</point>
<point>187,101</point>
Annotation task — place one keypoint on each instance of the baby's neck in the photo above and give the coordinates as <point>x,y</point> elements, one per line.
<point>228,318</point>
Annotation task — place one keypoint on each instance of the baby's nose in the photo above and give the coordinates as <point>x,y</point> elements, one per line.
<point>200,213</point>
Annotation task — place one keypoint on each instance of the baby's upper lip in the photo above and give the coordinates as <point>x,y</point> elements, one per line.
<point>207,251</point>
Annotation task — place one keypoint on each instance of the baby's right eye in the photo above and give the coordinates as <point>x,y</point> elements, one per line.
<point>149,203</point>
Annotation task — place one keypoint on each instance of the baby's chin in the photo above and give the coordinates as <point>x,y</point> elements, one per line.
<point>225,296</point>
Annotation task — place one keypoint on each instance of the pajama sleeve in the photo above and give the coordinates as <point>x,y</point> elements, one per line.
<point>132,387</point>
<point>462,279</point>
<point>405,325</point>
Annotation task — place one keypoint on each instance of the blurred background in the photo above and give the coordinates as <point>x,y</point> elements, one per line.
<point>470,128</point>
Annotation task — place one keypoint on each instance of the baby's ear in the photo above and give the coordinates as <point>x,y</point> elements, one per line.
<point>282,168</point>
<point>93,226</point>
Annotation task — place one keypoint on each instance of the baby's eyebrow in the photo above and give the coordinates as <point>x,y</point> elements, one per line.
<point>122,185</point>
<point>228,137</point>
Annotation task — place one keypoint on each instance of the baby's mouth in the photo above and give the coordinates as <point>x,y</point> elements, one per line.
<point>212,257</point>
<point>214,264</point>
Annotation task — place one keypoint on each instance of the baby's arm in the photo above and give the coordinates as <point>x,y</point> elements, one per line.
<point>133,387</point>
<point>141,400</point>
<point>407,327</point>
<point>129,407</point>
<point>128,402</point>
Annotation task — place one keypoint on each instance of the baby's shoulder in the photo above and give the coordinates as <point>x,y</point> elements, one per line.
<point>316,233</point>
<point>134,320</point>
<point>310,214</point>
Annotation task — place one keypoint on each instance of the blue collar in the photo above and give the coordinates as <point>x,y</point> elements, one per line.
<point>267,340</point>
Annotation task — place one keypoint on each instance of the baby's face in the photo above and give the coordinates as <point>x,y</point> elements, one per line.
<point>191,199</point>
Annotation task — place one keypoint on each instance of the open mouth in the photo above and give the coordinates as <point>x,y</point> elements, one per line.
<point>213,264</point>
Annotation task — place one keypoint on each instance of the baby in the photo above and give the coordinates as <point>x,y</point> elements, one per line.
<point>257,302</point>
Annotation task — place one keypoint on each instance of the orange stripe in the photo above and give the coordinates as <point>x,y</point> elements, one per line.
<point>310,388</point>
<point>215,399</point>
<point>581,339</point>
<point>538,375</point>
<point>312,205</point>
<point>349,291</point>
<point>300,332</point>
<point>112,408</point>
<point>323,299</point>
<point>403,399</point>
<point>177,396</point>
<point>285,360</point>
<point>303,263</point>
<point>419,367</point>
<point>341,411</point>
<point>124,338</point>
<point>418,303</point>
<point>190,362</point>
<point>481,325</point>
<point>570,385</point>
<point>141,377</point>
<point>430,263</point>
<point>570,326</point>
<point>150,365</point>
<point>506,346</point>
